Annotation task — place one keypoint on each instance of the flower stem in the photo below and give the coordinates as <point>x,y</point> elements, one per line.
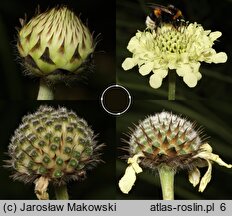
<point>167,174</point>
<point>45,91</point>
<point>61,192</point>
<point>171,85</point>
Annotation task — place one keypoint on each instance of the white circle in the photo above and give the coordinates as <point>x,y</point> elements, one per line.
<point>119,113</point>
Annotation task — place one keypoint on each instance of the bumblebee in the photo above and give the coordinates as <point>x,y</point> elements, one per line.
<point>163,14</point>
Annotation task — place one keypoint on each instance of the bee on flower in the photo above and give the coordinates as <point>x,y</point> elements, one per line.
<point>170,44</point>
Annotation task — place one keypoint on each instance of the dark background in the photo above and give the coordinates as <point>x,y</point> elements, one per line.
<point>100,20</point>
<point>215,113</point>
<point>100,182</point>
<point>214,15</point>
<point>214,116</point>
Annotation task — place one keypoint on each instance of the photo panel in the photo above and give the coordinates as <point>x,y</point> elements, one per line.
<point>211,122</point>
<point>159,38</point>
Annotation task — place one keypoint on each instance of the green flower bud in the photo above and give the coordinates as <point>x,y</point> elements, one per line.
<point>55,44</point>
<point>38,149</point>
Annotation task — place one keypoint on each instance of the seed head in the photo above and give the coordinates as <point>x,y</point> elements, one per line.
<point>165,138</point>
<point>53,145</point>
<point>168,140</point>
<point>55,44</point>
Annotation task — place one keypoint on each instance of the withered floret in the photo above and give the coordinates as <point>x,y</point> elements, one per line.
<point>55,45</point>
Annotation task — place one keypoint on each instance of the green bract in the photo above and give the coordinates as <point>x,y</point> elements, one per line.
<point>55,44</point>
<point>170,141</point>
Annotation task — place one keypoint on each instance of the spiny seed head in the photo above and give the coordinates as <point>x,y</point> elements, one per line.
<point>55,44</point>
<point>53,143</point>
<point>165,138</point>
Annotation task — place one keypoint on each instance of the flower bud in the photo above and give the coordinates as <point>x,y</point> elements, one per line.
<point>55,44</point>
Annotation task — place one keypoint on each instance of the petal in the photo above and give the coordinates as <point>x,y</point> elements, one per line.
<point>133,43</point>
<point>156,61</point>
<point>190,79</point>
<point>137,168</point>
<point>215,35</point>
<point>206,147</point>
<point>183,69</point>
<point>206,178</point>
<point>161,72</point>
<point>219,161</point>
<point>184,57</point>
<point>171,59</point>
<point>195,69</point>
<point>134,163</point>
<point>128,180</point>
<point>198,75</point>
<point>207,154</point>
<point>128,63</point>
<point>155,81</point>
<point>219,57</point>
<point>194,176</point>
<point>195,66</point>
<point>213,157</point>
<point>41,186</point>
<point>146,68</point>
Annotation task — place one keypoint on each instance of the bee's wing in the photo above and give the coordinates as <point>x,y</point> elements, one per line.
<point>163,8</point>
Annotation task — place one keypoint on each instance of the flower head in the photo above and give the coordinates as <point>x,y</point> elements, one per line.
<point>55,44</point>
<point>172,141</point>
<point>52,146</point>
<point>180,48</point>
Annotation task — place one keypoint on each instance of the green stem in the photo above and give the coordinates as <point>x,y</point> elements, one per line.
<point>45,91</point>
<point>171,85</point>
<point>167,174</point>
<point>61,192</point>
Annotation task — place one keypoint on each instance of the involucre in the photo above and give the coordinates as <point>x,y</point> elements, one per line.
<point>55,45</point>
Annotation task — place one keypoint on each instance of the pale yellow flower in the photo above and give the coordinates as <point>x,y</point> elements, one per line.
<point>173,48</point>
